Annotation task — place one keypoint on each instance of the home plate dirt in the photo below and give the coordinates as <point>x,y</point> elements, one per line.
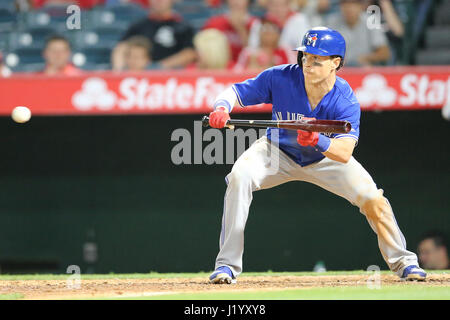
<point>58,289</point>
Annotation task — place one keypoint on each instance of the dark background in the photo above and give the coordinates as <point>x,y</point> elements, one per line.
<point>65,181</point>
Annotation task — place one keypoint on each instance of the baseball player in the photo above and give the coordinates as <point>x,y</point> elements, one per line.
<point>307,90</point>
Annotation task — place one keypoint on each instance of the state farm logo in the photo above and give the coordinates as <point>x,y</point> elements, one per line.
<point>375,91</point>
<point>94,93</point>
<point>141,94</point>
<point>411,90</point>
<point>422,91</point>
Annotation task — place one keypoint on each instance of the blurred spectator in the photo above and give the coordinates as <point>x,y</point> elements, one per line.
<point>365,47</point>
<point>170,36</point>
<point>84,4</point>
<point>23,5</point>
<point>268,54</point>
<point>433,251</point>
<point>213,50</point>
<point>314,10</point>
<point>390,18</point>
<point>293,3</point>
<point>138,54</point>
<point>143,3</point>
<point>294,25</point>
<point>392,25</point>
<point>57,54</point>
<point>236,24</point>
<point>319,6</point>
<point>4,70</point>
<point>213,3</point>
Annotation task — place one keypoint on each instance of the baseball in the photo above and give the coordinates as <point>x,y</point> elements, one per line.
<point>21,114</point>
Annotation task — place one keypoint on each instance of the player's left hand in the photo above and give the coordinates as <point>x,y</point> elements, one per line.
<point>306,138</point>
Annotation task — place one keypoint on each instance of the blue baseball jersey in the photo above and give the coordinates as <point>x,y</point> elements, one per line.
<point>284,87</point>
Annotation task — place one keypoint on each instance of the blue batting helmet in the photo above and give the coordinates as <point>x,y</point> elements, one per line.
<point>322,41</point>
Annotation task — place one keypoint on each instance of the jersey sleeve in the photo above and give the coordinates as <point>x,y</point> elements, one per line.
<point>351,113</point>
<point>256,90</point>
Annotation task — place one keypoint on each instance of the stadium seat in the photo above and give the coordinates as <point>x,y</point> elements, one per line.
<point>257,11</point>
<point>97,38</point>
<point>197,23</point>
<point>4,41</point>
<point>118,16</point>
<point>92,58</point>
<point>443,14</point>
<point>104,18</point>
<point>55,11</point>
<point>433,57</point>
<point>8,5</point>
<point>130,12</point>
<point>37,19</point>
<point>438,37</point>
<point>195,13</point>
<point>54,16</point>
<point>197,19</point>
<point>25,59</point>
<point>34,38</point>
<point>8,20</point>
<point>33,67</point>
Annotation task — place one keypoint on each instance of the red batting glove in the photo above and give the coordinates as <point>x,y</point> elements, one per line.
<point>218,118</point>
<point>306,138</point>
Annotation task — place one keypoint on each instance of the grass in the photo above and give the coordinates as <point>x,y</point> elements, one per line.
<point>11,296</point>
<point>391,292</point>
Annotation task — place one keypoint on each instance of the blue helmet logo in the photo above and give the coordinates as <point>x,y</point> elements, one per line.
<point>311,39</point>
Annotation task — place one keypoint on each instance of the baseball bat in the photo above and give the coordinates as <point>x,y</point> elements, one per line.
<point>326,126</point>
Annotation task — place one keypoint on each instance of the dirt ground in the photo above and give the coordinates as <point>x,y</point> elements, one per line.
<point>58,289</point>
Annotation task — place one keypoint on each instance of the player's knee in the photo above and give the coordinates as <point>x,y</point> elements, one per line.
<point>375,209</point>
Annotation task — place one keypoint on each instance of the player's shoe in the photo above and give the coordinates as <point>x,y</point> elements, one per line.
<point>414,273</point>
<point>222,275</point>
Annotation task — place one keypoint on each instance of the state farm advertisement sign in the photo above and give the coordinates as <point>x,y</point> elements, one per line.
<point>143,94</point>
<point>401,88</point>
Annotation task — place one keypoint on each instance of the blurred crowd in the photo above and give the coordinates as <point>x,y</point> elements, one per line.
<point>230,35</point>
<point>433,251</point>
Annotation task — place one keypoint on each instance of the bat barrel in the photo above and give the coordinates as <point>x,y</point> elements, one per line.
<point>327,126</point>
<point>316,126</point>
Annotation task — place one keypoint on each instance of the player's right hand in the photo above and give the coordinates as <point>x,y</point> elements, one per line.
<point>219,117</point>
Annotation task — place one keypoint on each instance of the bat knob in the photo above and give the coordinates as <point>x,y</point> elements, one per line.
<point>348,127</point>
<point>205,121</point>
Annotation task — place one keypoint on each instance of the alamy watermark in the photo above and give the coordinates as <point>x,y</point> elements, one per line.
<point>73,22</point>
<point>213,146</point>
<point>374,17</point>
<point>374,280</point>
<point>74,280</point>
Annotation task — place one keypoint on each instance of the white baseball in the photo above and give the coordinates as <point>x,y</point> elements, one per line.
<point>21,114</point>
